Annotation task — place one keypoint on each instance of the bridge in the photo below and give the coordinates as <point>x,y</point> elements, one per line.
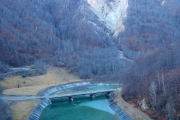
<point>69,95</point>
<point>90,93</point>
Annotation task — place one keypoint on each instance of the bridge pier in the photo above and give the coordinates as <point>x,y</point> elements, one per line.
<point>71,98</point>
<point>108,94</point>
<point>92,96</point>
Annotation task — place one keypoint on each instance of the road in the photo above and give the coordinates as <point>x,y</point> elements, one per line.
<point>32,97</point>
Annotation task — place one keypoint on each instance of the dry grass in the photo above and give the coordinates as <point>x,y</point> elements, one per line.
<point>32,85</point>
<point>130,110</point>
<point>22,109</point>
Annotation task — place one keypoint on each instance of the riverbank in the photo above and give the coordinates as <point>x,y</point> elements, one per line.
<point>22,109</point>
<point>54,77</point>
<point>32,86</point>
<point>134,113</point>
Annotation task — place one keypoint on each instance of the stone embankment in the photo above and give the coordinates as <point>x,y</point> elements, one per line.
<point>39,109</point>
<point>120,104</point>
<point>45,102</point>
<point>121,114</point>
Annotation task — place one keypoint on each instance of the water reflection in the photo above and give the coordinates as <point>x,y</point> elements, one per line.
<point>82,108</point>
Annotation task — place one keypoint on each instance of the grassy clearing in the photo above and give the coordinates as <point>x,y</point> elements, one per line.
<point>129,109</point>
<point>22,109</point>
<point>32,85</point>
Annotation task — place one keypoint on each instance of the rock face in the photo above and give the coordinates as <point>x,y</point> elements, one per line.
<point>111,12</point>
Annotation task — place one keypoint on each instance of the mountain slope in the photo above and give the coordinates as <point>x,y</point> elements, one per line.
<point>24,35</point>
<point>131,41</point>
<point>64,33</point>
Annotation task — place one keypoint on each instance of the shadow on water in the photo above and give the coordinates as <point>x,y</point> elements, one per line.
<point>90,106</point>
<point>62,109</point>
<point>82,108</point>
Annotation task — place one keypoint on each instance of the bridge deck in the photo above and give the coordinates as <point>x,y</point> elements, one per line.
<point>31,97</point>
<point>81,93</point>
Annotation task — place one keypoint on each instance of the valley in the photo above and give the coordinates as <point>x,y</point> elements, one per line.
<point>134,43</point>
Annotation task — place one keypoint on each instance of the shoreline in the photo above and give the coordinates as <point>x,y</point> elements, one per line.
<point>35,105</point>
<point>117,109</point>
<point>35,114</point>
<point>37,85</point>
<point>32,86</point>
<point>134,113</point>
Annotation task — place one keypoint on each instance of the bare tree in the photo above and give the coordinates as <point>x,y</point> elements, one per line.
<point>3,67</point>
<point>159,82</point>
<point>164,89</point>
<point>152,91</point>
<point>40,67</point>
<point>170,111</point>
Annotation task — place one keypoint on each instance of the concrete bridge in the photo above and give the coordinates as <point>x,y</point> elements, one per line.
<point>91,94</point>
<point>70,95</point>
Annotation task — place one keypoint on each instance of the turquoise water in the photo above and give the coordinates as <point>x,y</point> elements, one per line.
<point>82,108</point>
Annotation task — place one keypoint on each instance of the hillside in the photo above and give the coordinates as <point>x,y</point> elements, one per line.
<point>57,32</point>
<point>134,42</point>
<point>152,36</point>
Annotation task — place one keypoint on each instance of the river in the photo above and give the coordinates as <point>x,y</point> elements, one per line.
<point>82,108</point>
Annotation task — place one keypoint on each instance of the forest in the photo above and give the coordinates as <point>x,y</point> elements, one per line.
<point>152,29</point>
<point>60,33</point>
